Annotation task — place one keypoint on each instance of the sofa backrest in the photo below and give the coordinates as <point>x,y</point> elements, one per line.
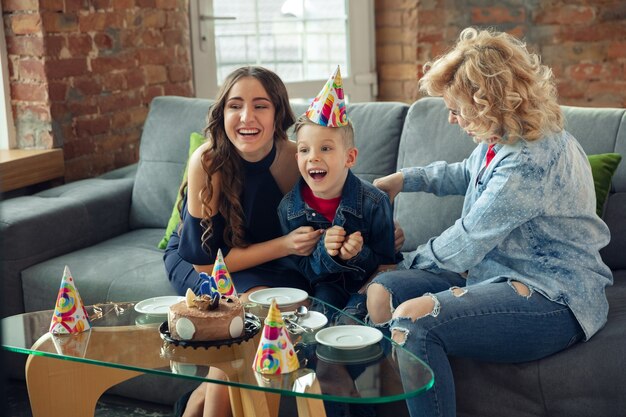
<point>163,154</point>
<point>602,130</point>
<point>427,137</point>
<point>171,120</point>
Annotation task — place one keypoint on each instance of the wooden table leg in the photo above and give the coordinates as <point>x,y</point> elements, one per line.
<point>311,407</point>
<point>59,387</point>
<point>259,403</point>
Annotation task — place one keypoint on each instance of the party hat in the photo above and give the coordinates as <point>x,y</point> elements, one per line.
<point>329,107</point>
<point>69,315</point>
<point>275,354</point>
<point>224,282</point>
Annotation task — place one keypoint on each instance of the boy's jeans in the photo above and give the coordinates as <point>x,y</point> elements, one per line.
<point>490,322</point>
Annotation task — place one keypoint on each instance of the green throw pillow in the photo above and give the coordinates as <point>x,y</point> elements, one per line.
<point>603,167</point>
<point>195,140</point>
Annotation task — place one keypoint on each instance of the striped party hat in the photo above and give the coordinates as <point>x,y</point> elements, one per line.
<point>329,108</point>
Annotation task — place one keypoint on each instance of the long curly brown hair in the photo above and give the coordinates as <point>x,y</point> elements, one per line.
<point>221,155</point>
<point>501,89</point>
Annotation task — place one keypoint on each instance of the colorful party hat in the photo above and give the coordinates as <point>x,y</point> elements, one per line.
<point>224,282</point>
<point>275,354</point>
<point>69,315</point>
<point>329,107</point>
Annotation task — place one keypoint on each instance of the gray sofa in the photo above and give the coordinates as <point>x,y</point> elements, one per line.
<point>106,230</point>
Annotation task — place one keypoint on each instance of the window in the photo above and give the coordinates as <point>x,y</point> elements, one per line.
<point>303,41</point>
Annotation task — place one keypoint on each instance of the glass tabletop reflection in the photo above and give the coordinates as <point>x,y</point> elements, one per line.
<point>123,338</point>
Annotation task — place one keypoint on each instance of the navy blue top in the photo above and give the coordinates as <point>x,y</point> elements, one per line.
<point>260,198</point>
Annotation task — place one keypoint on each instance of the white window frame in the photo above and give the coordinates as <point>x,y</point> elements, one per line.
<point>7,127</point>
<point>360,85</point>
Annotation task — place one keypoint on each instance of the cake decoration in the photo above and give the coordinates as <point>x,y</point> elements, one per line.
<point>208,286</point>
<point>329,108</point>
<point>275,354</point>
<point>190,297</point>
<point>209,298</point>
<point>69,315</point>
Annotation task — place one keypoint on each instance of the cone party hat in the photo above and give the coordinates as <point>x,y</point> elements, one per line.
<point>275,354</point>
<point>222,277</point>
<point>329,108</point>
<point>69,315</point>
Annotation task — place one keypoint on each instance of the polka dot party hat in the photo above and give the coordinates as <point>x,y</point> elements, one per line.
<point>329,108</point>
<point>275,354</point>
<point>222,277</point>
<point>69,315</point>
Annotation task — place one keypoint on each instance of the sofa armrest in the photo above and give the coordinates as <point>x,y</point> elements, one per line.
<point>58,221</point>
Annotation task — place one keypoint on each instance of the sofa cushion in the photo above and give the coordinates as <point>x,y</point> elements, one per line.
<point>195,140</point>
<point>162,157</point>
<point>603,167</point>
<point>125,268</point>
<point>578,382</point>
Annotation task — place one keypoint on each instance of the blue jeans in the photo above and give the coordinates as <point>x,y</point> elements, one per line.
<point>489,322</point>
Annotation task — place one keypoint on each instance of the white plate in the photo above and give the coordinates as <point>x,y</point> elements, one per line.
<point>313,320</point>
<point>348,337</point>
<point>283,296</point>
<point>157,305</point>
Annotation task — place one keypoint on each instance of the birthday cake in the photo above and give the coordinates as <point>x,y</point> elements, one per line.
<point>206,318</point>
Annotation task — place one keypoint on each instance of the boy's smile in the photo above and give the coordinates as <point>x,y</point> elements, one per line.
<point>323,159</point>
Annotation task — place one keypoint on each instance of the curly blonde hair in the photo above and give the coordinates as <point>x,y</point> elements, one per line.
<point>500,89</point>
<point>221,155</point>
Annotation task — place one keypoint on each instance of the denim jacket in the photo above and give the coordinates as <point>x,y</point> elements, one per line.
<point>362,208</point>
<point>529,216</point>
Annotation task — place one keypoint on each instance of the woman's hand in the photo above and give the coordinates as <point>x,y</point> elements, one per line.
<point>391,184</point>
<point>302,240</point>
<point>398,236</point>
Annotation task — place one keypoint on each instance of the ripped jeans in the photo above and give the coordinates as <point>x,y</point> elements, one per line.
<point>491,322</point>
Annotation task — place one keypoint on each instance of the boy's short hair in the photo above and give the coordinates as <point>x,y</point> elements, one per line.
<point>347,131</point>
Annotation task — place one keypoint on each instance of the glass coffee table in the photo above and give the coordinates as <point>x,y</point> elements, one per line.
<point>123,344</point>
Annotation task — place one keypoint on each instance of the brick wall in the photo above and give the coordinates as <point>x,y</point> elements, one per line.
<point>584,41</point>
<point>83,72</point>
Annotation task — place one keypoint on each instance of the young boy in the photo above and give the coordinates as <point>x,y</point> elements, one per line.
<point>356,216</point>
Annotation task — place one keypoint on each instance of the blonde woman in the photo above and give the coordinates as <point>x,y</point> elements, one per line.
<point>519,276</point>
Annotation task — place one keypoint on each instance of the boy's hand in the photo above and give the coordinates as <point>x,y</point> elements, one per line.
<point>333,240</point>
<point>302,240</point>
<point>351,246</point>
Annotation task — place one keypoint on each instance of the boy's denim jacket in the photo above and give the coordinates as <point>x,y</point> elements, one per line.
<point>362,208</point>
<point>529,216</point>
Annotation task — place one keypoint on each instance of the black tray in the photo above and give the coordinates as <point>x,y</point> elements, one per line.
<point>252,326</point>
